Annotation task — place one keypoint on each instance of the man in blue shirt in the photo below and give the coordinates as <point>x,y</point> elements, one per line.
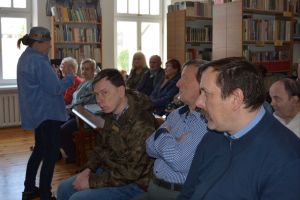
<point>247,154</point>
<point>173,145</point>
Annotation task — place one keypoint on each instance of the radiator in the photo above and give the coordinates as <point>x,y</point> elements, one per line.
<point>9,110</point>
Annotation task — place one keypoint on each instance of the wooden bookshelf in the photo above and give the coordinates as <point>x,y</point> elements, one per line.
<point>189,33</point>
<point>260,32</point>
<point>76,33</point>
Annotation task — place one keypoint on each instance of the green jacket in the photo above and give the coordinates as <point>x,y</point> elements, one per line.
<point>120,146</point>
<point>135,79</point>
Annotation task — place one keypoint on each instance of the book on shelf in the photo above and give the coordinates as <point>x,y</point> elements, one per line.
<point>65,14</point>
<point>202,34</point>
<point>260,29</point>
<point>193,9</point>
<point>268,5</point>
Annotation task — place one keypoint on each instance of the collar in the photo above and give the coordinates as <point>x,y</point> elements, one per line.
<point>117,116</point>
<point>249,126</point>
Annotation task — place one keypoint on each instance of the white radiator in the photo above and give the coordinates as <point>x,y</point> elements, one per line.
<point>9,110</point>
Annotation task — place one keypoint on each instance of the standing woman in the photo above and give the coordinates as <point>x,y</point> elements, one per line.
<point>42,109</point>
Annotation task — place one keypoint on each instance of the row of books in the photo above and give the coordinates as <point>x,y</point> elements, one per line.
<point>276,65</point>
<point>81,52</point>
<point>65,14</point>
<point>296,6</point>
<point>69,33</point>
<point>268,5</point>
<point>266,29</point>
<point>259,56</point>
<point>203,34</point>
<point>194,53</point>
<point>193,9</point>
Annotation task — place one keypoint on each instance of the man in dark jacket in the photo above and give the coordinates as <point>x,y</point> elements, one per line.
<point>119,167</point>
<point>247,154</point>
<point>152,77</point>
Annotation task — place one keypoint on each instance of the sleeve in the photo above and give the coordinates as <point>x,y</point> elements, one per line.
<point>163,100</point>
<point>98,155</point>
<point>177,154</point>
<point>132,162</point>
<point>68,95</point>
<point>49,81</point>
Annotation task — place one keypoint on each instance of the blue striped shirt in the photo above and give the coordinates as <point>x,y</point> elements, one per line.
<point>173,157</point>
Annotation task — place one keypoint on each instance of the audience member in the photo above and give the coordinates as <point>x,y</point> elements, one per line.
<point>173,145</point>
<point>71,63</point>
<point>139,67</point>
<point>164,92</point>
<point>152,77</point>
<point>119,167</point>
<point>42,109</point>
<point>247,153</point>
<point>83,95</point>
<point>285,94</point>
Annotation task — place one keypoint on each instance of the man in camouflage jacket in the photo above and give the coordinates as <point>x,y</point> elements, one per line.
<point>119,167</point>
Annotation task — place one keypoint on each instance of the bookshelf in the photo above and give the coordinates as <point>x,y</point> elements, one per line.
<point>76,33</point>
<point>189,30</point>
<point>260,30</point>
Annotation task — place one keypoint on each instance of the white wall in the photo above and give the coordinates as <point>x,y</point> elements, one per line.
<point>108,31</point>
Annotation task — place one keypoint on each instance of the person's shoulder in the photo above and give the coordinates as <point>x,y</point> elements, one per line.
<point>278,137</point>
<point>138,101</point>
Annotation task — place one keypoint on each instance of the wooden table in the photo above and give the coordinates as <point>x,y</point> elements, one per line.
<point>89,125</point>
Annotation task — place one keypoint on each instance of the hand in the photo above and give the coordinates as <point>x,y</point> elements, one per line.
<point>82,180</point>
<point>182,137</point>
<point>69,70</point>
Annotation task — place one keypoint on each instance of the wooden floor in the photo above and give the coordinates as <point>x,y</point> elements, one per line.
<point>14,153</point>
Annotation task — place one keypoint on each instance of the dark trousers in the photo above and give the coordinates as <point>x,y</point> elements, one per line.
<point>67,144</point>
<point>46,149</point>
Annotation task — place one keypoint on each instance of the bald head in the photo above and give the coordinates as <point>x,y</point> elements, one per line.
<point>285,95</point>
<point>155,62</point>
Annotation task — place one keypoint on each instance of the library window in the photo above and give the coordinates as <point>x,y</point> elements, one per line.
<point>15,18</point>
<point>139,28</point>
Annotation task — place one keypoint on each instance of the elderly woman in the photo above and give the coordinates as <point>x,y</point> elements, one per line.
<point>71,63</point>
<point>139,67</point>
<point>81,95</point>
<point>164,92</point>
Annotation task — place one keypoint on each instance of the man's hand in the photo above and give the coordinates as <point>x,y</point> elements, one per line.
<point>82,180</point>
<point>182,137</point>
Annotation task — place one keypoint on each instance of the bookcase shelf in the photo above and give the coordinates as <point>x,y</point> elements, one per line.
<point>189,37</point>
<point>76,33</point>
<point>262,35</point>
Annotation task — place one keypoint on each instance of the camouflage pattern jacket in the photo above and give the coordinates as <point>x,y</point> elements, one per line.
<point>120,147</point>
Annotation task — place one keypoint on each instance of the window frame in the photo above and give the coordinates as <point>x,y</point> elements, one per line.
<point>13,13</point>
<point>139,19</point>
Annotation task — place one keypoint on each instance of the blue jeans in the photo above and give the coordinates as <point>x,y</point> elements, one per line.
<point>65,191</point>
<point>46,149</point>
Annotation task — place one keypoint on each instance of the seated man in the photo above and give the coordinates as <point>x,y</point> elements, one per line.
<point>119,167</point>
<point>285,95</point>
<point>70,62</point>
<point>173,145</point>
<point>247,153</point>
<point>152,77</point>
